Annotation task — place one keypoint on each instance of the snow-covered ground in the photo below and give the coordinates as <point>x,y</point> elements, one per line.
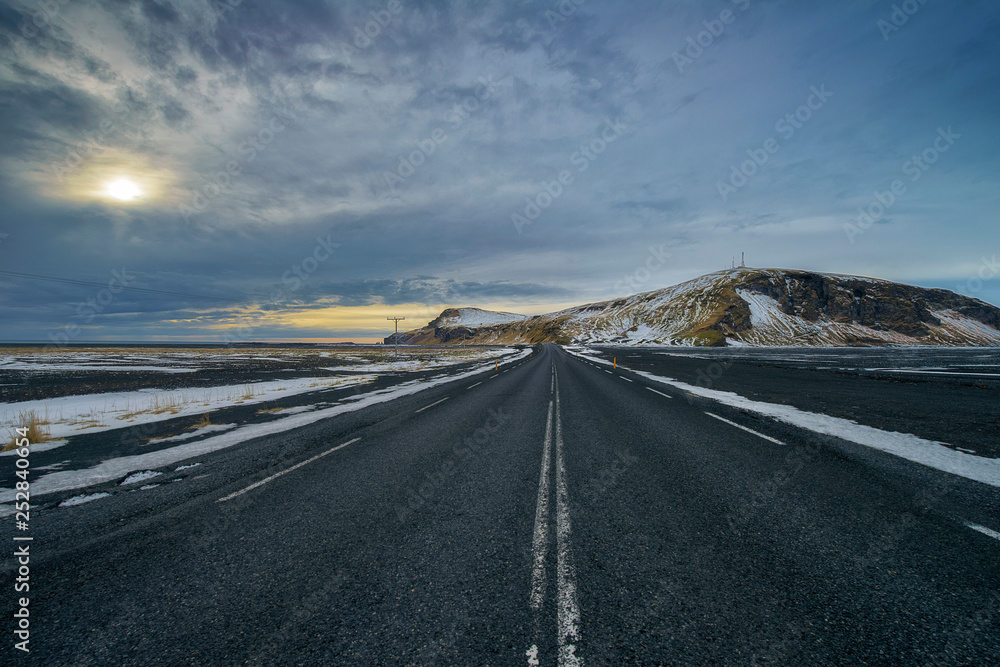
<point>904,445</point>
<point>120,467</point>
<point>66,416</point>
<point>163,360</point>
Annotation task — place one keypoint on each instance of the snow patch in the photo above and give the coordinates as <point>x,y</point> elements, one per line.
<point>37,447</point>
<point>475,317</point>
<point>904,445</point>
<point>81,499</point>
<point>211,428</point>
<point>140,477</point>
<point>111,469</point>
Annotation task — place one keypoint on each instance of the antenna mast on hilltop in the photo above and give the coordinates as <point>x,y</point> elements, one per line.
<point>743,260</point>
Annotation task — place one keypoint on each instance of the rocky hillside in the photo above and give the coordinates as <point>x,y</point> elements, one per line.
<point>760,307</point>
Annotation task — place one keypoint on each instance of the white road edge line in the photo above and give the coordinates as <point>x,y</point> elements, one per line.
<point>568,607</point>
<point>285,471</point>
<point>983,529</point>
<point>748,430</point>
<point>427,407</point>
<point>659,392</point>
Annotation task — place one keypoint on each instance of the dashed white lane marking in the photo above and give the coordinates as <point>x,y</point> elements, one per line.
<point>474,385</point>
<point>285,471</point>
<point>493,376</point>
<point>608,372</point>
<point>748,430</point>
<point>984,530</point>
<point>428,407</point>
<point>624,378</point>
<point>659,392</point>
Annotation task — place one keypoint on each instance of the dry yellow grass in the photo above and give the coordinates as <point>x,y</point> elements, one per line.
<point>169,404</point>
<point>35,433</point>
<point>203,422</point>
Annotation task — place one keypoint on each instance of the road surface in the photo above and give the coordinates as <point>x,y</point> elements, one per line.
<point>557,512</point>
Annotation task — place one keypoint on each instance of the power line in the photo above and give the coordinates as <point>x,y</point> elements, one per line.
<point>396,319</point>
<point>72,281</point>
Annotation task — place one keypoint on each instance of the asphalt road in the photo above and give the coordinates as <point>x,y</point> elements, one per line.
<point>955,404</point>
<point>557,512</point>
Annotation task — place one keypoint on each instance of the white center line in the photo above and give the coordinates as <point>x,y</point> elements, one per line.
<point>659,392</point>
<point>285,471</point>
<point>568,609</point>
<point>474,385</point>
<point>748,430</point>
<point>426,407</point>
<point>984,530</point>
<point>540,541</point>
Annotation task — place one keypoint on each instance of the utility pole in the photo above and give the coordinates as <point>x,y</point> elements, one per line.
<point>395,338</point>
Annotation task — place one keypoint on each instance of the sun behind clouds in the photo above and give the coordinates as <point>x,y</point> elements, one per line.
<point>123,189</point>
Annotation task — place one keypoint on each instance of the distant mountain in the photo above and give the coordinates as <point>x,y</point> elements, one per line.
<point>758,307</point>
<point>456,325</point>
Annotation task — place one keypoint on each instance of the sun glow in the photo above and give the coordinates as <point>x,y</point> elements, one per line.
<point>123,189</point>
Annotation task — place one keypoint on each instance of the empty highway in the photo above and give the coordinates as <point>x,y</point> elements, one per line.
<point>554,512</point>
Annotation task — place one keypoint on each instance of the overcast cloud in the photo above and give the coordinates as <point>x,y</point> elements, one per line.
<point>306,168</point>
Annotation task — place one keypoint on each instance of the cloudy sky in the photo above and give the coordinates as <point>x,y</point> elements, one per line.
<point>301,170</point>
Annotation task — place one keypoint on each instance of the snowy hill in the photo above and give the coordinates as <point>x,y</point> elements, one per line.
<point>474,317</point>
<point>759,307</point>
<point>457,325</point>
